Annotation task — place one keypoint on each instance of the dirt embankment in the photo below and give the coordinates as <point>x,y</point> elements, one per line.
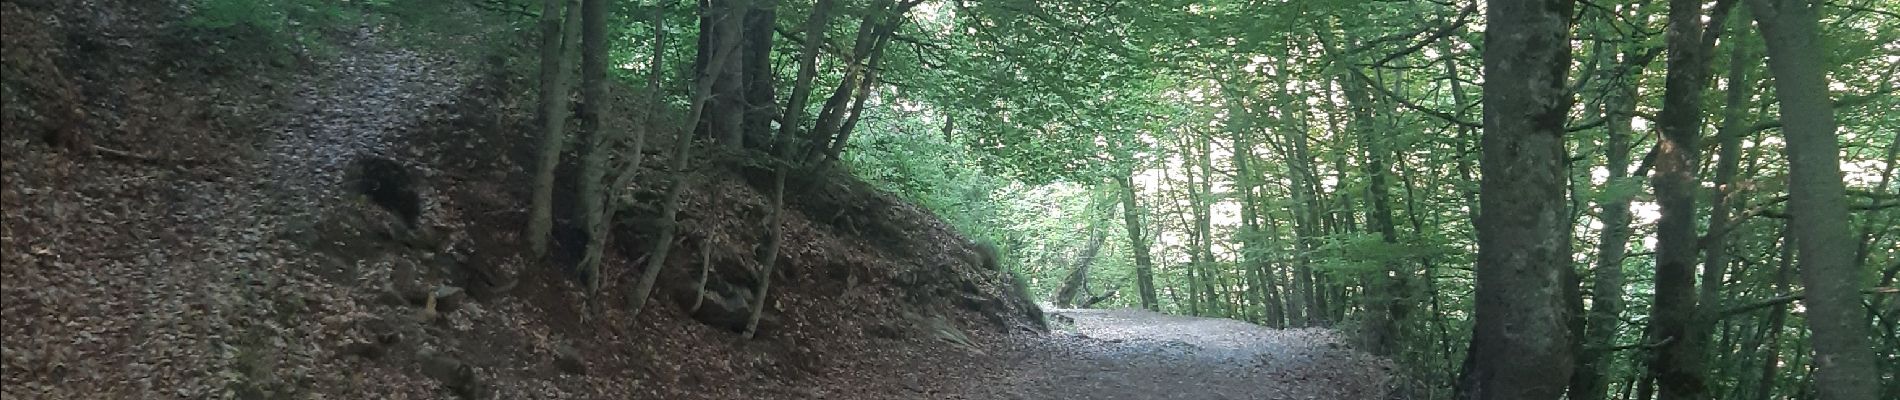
<point>179,226</point>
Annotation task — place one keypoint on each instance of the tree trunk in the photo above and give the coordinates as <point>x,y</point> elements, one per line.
<point>1715,261</point>
<point>1386,308</point>
<point>1617,109</point>
<point>592,197</point>
<point>555,68</point>
<point>723,27</point>
<point>1520,345</point>
<point>1203,225</point>
<point>668,224</point>
<point>1144,264</point>
<point>1301,180</point>
<point>1843,352</point>
<point>1679,366</point>
<point>1074,287</point>
<point>794,110</point>
<point>863,94</point>
<point>757,69</point>
<point>1777,317</point>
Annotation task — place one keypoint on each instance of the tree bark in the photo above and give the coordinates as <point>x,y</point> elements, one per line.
<point>1520,345</point>
<point>1144,264</point>
<point>723,26</point>
<point>555,68</point>
<point>1386,308</point>
<point>593,198</point>
<point>1679,360</point>
<point>1843,355</point>
<point>815,26</point>
<point>1617,109</point>
<point>1074,287</point>
<point>757,69</point>
<point>668,223</point>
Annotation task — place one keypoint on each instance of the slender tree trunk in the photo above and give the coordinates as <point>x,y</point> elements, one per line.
<point>1074,287</point>
<point>1144,264</point>
<point>815,27</point>
<point>775,236</point>
<point>1843,352</point>
<point>1203,221</point>
<point>1520,346</point>
<point>1617,109</point>
<point>1386,307</point>
<point>668,223</point>
<point>1715,261</point>
<point>555,67</point>
<point>1301,181</point>
<point>1777,318</point>
<point>862,96</point>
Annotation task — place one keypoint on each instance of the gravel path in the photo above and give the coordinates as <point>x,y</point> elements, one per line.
<point>1134,355</point>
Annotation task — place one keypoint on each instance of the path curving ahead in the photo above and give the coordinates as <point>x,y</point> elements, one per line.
<point>1141,355</point>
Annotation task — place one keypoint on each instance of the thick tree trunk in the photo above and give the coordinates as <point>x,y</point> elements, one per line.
<point>1520,346</point>
<point>593,198</point>
<point>1843,352</point>
<point>724,27</point>
<point>1679,360</point>
<point>555,67</point>
<point>1144,264</point>
<point>759,103</point>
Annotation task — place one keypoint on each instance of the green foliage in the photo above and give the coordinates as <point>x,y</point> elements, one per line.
<point>274,30</point>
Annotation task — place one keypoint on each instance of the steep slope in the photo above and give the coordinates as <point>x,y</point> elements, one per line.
<point>177,225</point>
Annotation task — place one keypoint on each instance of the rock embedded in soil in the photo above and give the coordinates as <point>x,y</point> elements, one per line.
<point>568,360</point>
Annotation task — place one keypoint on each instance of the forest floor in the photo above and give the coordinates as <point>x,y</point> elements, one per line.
<point>1134,354</point>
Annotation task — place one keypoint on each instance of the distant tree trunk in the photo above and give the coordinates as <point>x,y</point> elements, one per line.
<point>1303,309</point>
<point>1843,352</point>
<point>1144,264</point>
<point>1520,345</point>
<point>815,26</point>
<point>882,16</point>
<point>1385,306</point>
<point>1777,318</point>
<point>1715,259</point>
<point>555,67</point>
<point>668,225</point>
<point>861,96</point>
<point>594,107</point>
<point>1617,109</point>
<point>1074,286</point>
<point>1203,202</point>
<point>1250,260</point>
